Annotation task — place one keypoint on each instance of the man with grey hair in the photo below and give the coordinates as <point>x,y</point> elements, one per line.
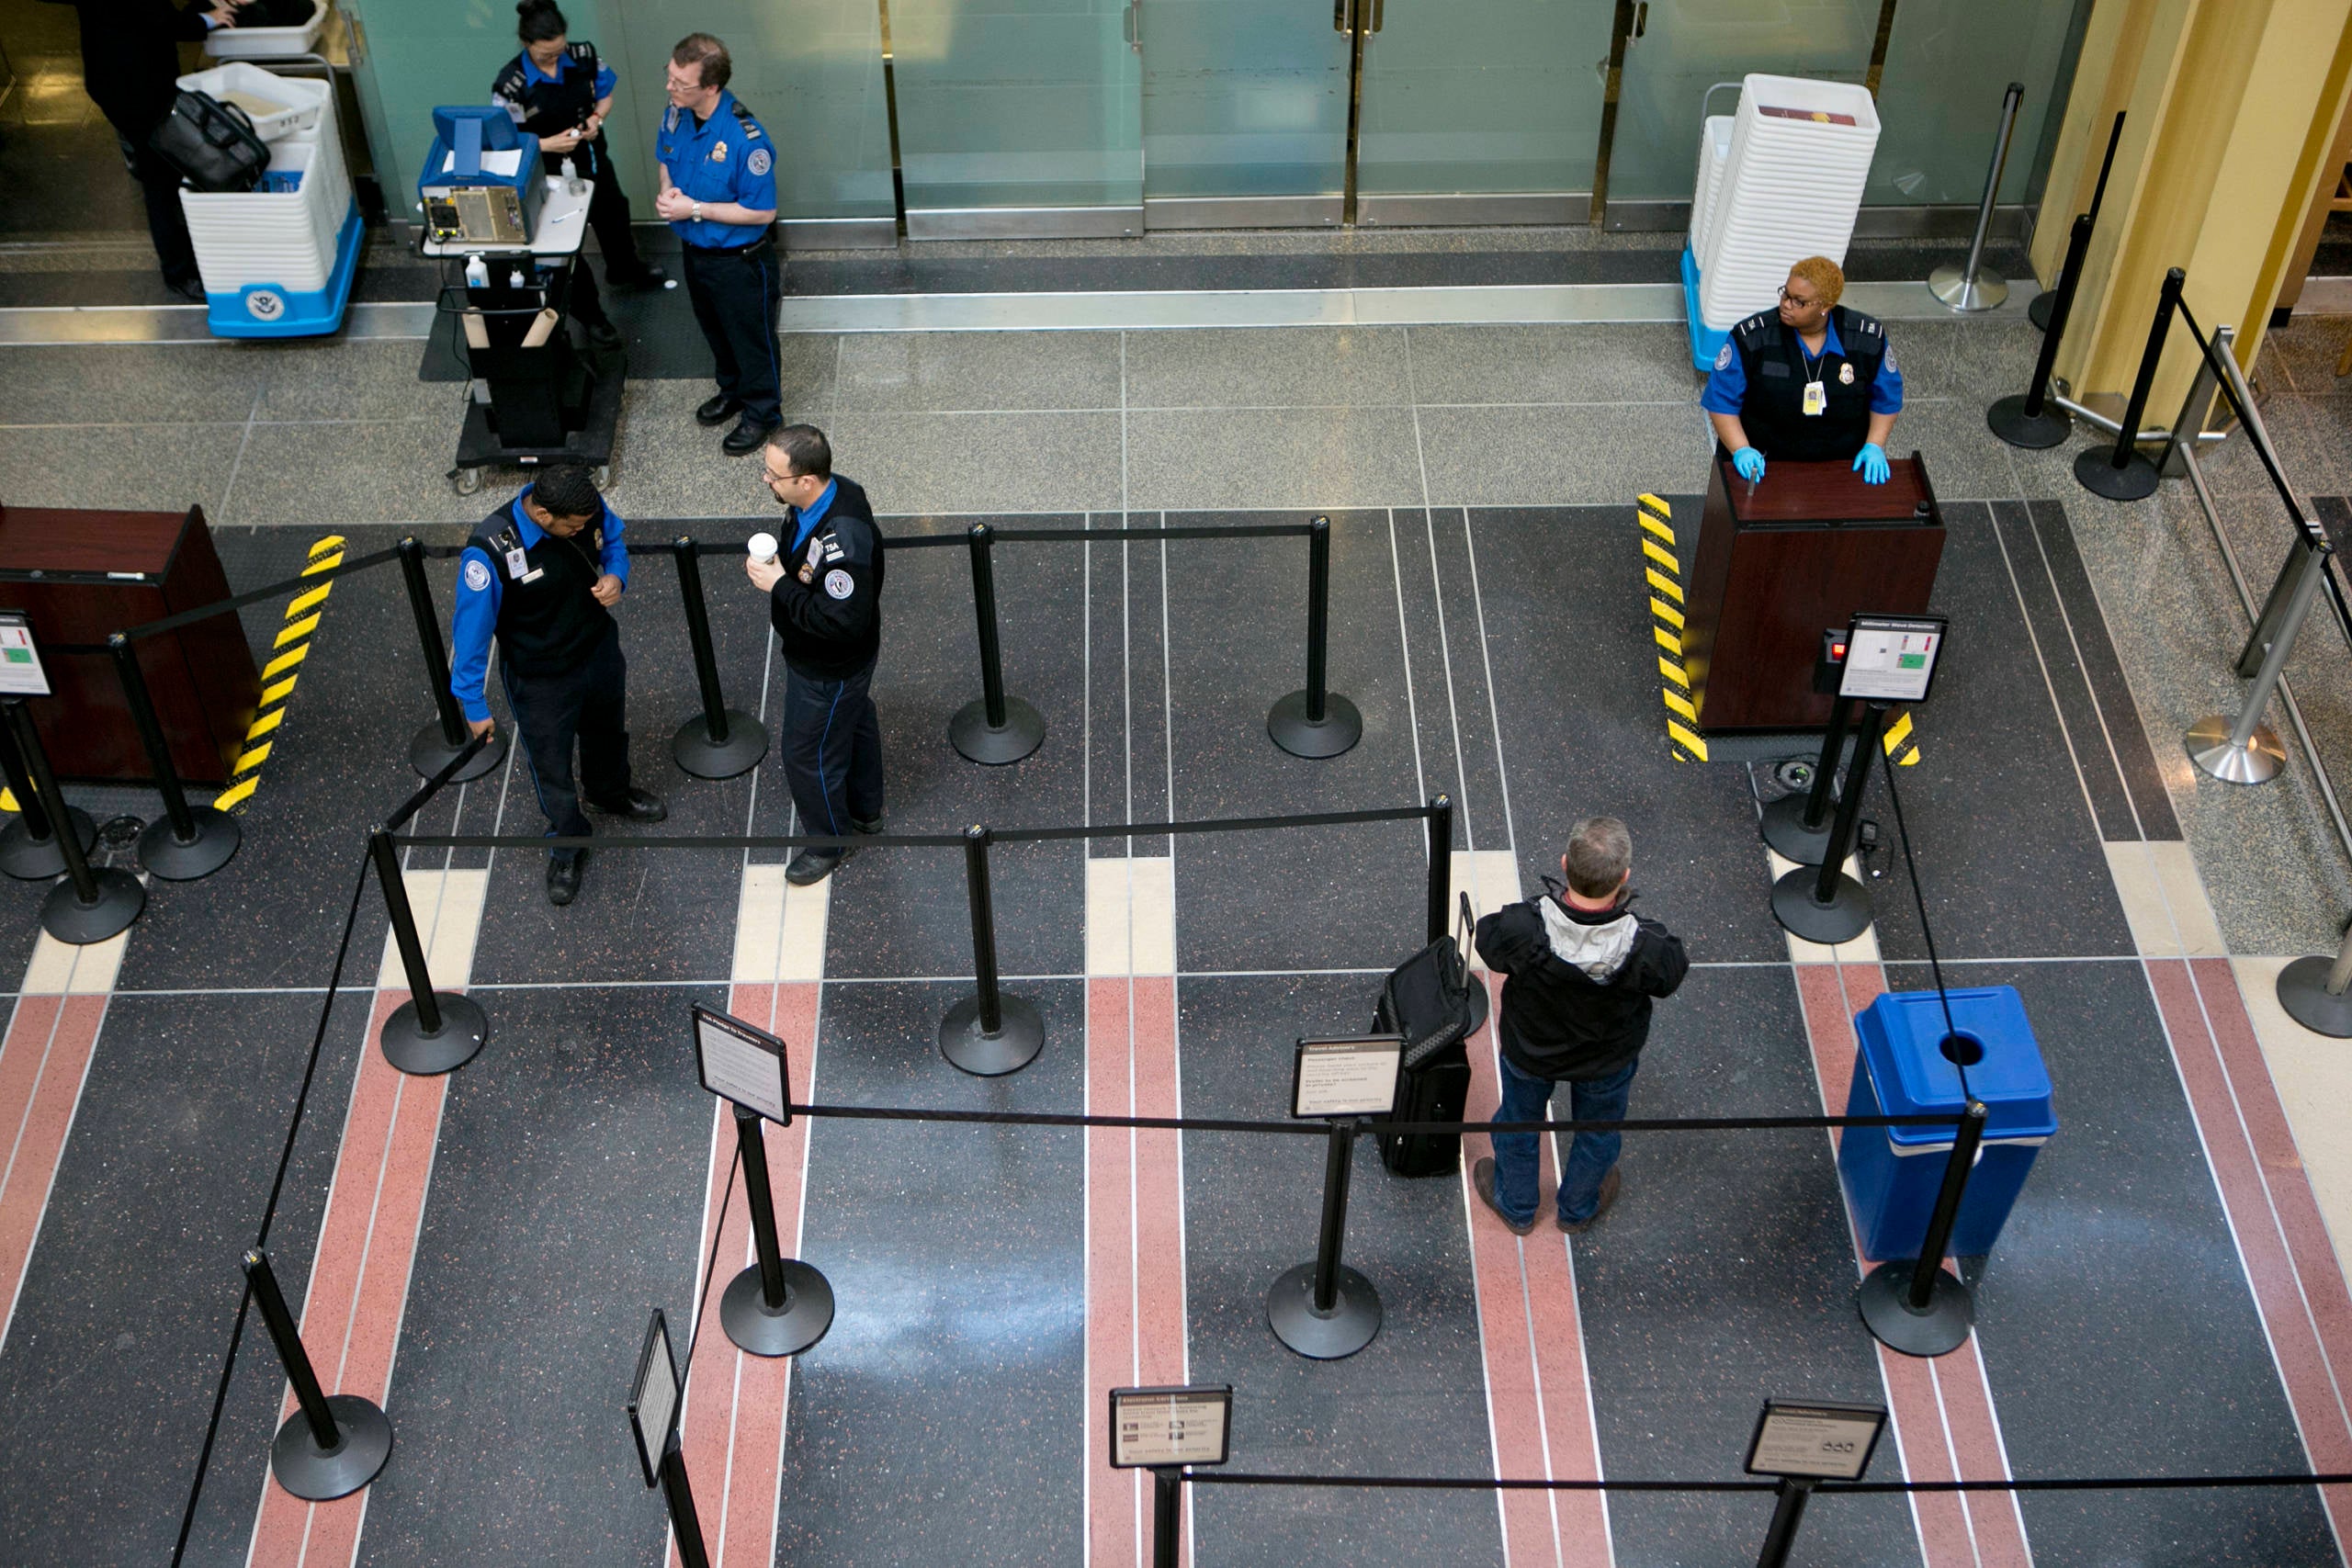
<point>1580,970</point>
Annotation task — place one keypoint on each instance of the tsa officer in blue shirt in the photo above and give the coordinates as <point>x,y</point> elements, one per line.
<point>718,193</point>
<point>542,574</point>
<point>559,91</point>
<point>1811,382</point>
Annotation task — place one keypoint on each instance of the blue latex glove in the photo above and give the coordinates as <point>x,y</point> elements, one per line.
<point>1870,463</point>
<point>1749,464</point>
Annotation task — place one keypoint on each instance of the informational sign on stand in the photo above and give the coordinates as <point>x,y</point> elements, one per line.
<point>1155,1428</point>
<point>743,1063</point>
<point>1816,1439</point>
<point>1356,1076</point>
<point>21,672</point>
<point>653,1397</point>
<point>1893,659</point>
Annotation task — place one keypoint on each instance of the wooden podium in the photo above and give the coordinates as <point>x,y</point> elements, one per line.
<point>1811,546</point>
<point>81,576</point>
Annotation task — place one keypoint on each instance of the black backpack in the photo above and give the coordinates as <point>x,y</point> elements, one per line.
<point>1427,999</point>
<point>211,144</point>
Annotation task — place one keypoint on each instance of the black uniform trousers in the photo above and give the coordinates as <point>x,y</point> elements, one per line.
<point>734,294</point>
<point>608,216</point>
<point>159,183</point>
<point>832,751</point>
<point>587,703</point>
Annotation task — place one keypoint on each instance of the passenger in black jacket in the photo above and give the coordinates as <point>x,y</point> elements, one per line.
<point>130,68</point>
<point>1580,970</point>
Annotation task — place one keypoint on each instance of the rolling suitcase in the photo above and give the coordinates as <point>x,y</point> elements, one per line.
<point>1427,1001</point>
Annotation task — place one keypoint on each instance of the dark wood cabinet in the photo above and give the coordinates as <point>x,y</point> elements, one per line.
<point>1780,562</point>
<point>81,576</point>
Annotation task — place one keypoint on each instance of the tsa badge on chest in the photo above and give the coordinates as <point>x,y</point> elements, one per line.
<point>1846,375</point>
<point>719,154</point>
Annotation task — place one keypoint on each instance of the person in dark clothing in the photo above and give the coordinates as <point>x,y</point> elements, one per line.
<point>1581,971</point>
<point>1812,381</point>
<point>130,68</point>
<point>824,589</point>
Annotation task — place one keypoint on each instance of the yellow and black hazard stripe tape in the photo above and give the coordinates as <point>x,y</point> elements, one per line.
<point>277,677</point>
<point>1662,568</point>
<point>1901,741</point>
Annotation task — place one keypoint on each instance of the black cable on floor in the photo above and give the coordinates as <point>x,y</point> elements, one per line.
<point>710,1264</point>
<point>1920,900</point>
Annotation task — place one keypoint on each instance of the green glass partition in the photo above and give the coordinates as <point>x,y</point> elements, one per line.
<point>415,55</point>
<point>1948,63</point>
<point>1243,98</point>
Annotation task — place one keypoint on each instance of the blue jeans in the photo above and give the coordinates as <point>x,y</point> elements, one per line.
<point>1590,1155</point>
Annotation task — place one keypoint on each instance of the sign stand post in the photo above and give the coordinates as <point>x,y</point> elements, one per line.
<point>776,1305</point>
<point>1324,1310</point>
<point>1165,1430</point>
<point>91,904</point>
<point>1802,1445</point>
<point>653,1422</point>
<point>28,846</point>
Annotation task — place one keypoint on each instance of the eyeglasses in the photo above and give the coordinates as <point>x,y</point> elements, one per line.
<point>1789,299</point>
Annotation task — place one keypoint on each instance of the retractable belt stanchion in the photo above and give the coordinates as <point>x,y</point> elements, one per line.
<point>2243,749</point>
<point>2030,420</point>
<point>1827,905</point>
<point>93,903</point>
<point>1324,1310</point>
<point>2122,474</point>
<point>333,1444</point>
<point>1797,826</point>
<point>1167,1517</point>
<point>2313,991</point>
<point>718,742</point>
<point>1788,1512</point>
<point>432,1032</point>
<point>189,843</point>
<point>1914,1306</point>
<point>997,729</point>
<point>1440,879</point>
<point>988,1034</point>
<point>1968,288</point>
<point>1316,723</point>
<point>678,1493</point>
<point>777,1305</point>
<point>28,849</point>
<point>446,735</point>
<point>2043,310</point>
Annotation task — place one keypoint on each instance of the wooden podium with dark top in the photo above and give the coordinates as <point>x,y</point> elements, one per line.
<point>1783,560</point>
<point>81,576</point>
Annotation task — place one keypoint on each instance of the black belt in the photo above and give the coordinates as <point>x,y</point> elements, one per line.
<point>768,241</point>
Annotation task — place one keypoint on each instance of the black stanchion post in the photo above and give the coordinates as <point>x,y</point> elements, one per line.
<point>997,729</point>
<point>1914,1306</point>
<point>1317,722</point>
<point>1827,905</point>
<point>432,1032</point>
<point>28,849</point>
<point>443,738</point>
<point>93,903</point>
<point>777,1305</point>
<point>1797,826</point>
<point>333,1444</point>
<point>2043,310</point>
<point>189,841</point>
<point>2031,421</point>
<point>2122,474</point>
<point>679,1494</point>
<point>987,1033</point>
<point>1324,1310</point>
<point>1167,1516</point>
<point>1440,891</point>
<point>1788,1508</point>
<point>718,742</point>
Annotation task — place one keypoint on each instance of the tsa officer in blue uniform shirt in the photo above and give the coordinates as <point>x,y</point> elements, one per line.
<point>559,91</point>
<point>718,193</point>
<point>542,574</point>
<point>1811,382</point>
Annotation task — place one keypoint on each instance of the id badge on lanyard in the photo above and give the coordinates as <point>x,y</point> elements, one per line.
<point>1817,398</point>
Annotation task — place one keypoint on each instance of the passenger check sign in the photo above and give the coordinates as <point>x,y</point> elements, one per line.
<point>1823,1439</point>
<point>743,1063</point>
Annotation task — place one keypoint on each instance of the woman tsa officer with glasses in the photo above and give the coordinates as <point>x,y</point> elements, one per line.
<point>1811,382</point>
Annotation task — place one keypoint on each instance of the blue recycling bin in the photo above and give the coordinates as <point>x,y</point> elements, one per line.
<point>1891,1174</point>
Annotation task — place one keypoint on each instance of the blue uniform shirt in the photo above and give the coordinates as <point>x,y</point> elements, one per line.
<point>605,80</point>
<point>725,158</point>
<point>1727,382</point>
<point>804,522</point>
<point>480,592</point>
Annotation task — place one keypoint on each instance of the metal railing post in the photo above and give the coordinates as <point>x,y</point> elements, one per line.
<point>718,742</point>
<point>2122,474</point>
<point>997,729</point>
<point>1968,288</point>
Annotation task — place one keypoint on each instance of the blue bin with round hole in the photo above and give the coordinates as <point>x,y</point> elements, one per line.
<point>1904,1067</point>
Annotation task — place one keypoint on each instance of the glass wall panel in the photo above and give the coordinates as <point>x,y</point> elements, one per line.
<point>1940,97</point>
<point>419,54</point>
<point>1243,97</point>
<point>1483,97</point>
<point>1017,103</point>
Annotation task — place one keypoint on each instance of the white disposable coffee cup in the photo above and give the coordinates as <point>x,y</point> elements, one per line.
<point>763,548</point>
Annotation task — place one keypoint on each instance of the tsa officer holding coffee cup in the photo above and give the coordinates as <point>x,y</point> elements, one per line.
<point>824,588</point>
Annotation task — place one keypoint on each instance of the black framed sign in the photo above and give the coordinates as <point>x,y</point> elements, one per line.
<point>1155,1428</point>
<point>744,1063</point>
<point>1893,659</point>
<point>1823,1439</point>
<point>20,670</point>
<point>1356,1076</point>
<point>653,1397</point>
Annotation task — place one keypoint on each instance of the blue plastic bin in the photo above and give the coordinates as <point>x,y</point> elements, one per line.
<point>1891,1174</point>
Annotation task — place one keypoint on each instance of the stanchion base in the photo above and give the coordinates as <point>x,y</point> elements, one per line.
<point>214,846</point>
<point>1785,831</point>
<point>120,898</point>
<point>2041,309</point>
<point>1844,918</point>
<point>703,758</point>
<point>1348,1327</point>
<point>429,755</point>
<point>318,1476</point>
<point>2209,747</point>
<point>1292,730</point>
<point>2302,991</point>
<point>1023,732</point>
<point>1965,294</point>
<point>2008,419</point>
<point>1480,1004</point>
<point>1884,1297</point>
<point>28,859</point>
<point>1009,1050</point>
<point>806,1313</point>
<point>2096,472</point>
<point>464,1027</point>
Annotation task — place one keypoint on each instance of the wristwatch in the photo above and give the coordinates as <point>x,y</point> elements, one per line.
<point>697,212</point>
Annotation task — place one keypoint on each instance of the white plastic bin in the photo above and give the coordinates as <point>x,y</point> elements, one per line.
<point>1792,185</point>
<point>286,239</point>
<point>260,43</point>
<point>1714,151</point>
<point>301,105</point>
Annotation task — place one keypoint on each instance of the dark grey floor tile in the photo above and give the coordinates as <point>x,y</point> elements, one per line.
<point>130,383</point>
<point>1267,368</point>
<point>1457,665</point>
<point>1129,722</point>
<point>900,371</point>
<point>1524,363</point>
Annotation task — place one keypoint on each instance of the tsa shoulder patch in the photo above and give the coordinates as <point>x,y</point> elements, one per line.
<point>839,584</point>
<point>1722,355</point>
<point>758,163</point>
<point>476,575</point>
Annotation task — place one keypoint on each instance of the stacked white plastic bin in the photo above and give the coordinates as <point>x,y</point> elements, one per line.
<point>1780,179</point>
<point>277,262</point>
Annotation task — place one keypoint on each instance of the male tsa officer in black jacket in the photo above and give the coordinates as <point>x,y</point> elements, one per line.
<point>1580,969</point>
<point>824,590</point>
<point>543,573</point>
<point>1811,382</point>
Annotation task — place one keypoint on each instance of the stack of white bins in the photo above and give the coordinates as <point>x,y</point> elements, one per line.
<point>276,262</point>
<point>1794,156</point>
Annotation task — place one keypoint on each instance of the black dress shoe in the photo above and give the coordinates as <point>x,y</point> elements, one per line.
<point>605,336</point>
<point>868,825</point>
<point>190,288</point>
<point>646,276</point>
<point>638,806</point>
<point>716,409</point>
<point>564,876</point>
<point>814,866</point>
<point>747,437</point>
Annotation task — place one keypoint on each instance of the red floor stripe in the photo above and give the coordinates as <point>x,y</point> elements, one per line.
<point>1115,1521</point>
<point>43,1061</point>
